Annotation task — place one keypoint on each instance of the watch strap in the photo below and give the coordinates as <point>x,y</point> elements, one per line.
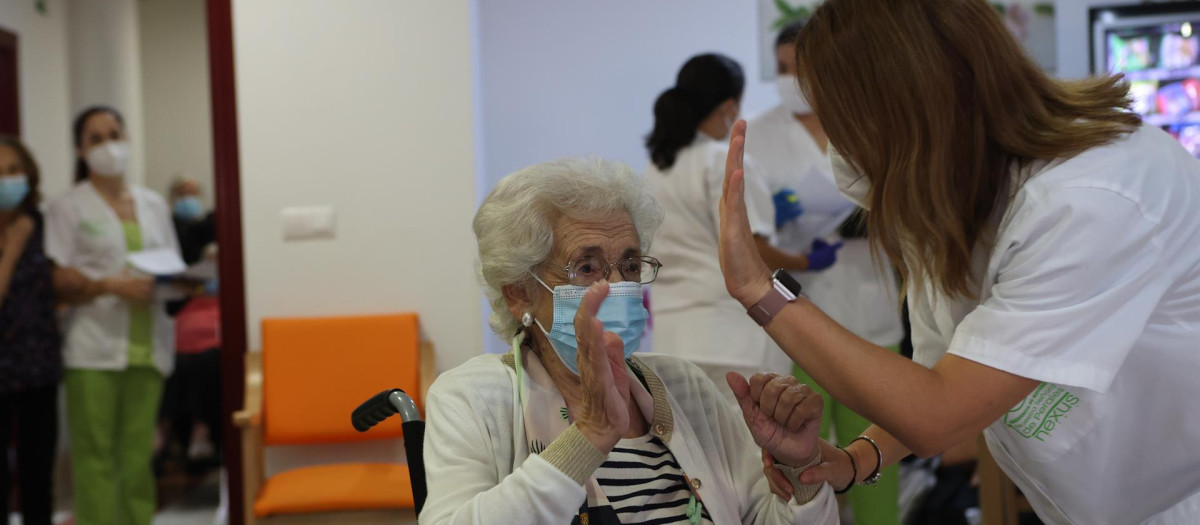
<point>771,304</point>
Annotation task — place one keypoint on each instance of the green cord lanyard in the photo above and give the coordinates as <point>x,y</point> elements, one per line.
<point>695,508</point>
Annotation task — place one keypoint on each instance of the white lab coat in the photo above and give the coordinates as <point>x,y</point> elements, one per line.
<point>694,316</point>
<point>83,232</point>
<point>1093,287</point>
<point>854,292</point>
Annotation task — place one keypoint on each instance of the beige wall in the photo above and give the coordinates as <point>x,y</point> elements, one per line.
<point>45,89</point>
<point>177,114</point>
<point>366,107</point>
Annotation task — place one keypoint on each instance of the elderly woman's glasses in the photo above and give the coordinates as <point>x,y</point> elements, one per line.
<point>586,270</point>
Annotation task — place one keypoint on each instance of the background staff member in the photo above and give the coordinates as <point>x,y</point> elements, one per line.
<point>789,145</point>
<point>693,315</point>
<point>1051,246</point>
<point>119,338</point>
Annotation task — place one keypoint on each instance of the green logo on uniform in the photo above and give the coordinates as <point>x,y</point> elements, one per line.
<point>91,228</point>
<point>1036,416</point>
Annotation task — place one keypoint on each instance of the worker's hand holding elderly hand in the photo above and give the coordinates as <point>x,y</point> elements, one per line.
<point>746,276</point>
<point>783,415</point>
<point>603,414</point>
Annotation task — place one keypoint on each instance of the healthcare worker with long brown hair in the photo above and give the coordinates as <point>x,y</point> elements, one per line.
<point>1050,245</point>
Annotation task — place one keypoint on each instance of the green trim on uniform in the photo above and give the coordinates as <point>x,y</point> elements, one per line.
<point>141,324</point>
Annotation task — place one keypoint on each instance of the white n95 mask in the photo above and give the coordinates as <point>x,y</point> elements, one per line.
<point>791,96</point>
<point>110,159</point>
<point>851,182</point>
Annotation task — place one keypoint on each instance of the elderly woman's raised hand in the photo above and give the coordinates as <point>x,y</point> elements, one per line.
<point>783,415</point>
<point>746,276</point>
<point>603,414</point>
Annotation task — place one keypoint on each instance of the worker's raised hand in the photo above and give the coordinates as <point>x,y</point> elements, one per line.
<point>746,276</point>
<point>783,415</point>
<point>603,415</point>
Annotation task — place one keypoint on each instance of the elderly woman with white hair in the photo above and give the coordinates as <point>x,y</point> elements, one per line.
<point>569,427</point>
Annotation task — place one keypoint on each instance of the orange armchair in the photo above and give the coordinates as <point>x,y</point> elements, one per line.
<point>301,389</point>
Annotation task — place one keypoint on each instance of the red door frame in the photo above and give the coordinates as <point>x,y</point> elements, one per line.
<point>8,42</point>
<point>227,180</point>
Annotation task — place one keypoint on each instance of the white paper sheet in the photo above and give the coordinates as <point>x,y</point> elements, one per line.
<point>159,262</point>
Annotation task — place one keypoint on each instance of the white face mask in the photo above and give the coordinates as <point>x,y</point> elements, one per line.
<point>852,183</point>
<point>729,122</point>
<point>110,159</point>
<point>791,96</point>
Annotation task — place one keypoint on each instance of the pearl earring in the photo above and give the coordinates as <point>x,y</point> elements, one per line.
<point>527,320</point>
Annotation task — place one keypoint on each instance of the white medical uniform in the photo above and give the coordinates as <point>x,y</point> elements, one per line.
<point>853,292</point>
<point>83,232</point>
<point>694,316</point>
<point>1093,287</point>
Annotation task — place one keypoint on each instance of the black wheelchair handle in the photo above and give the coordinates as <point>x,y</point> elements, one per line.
<point>382,406</point>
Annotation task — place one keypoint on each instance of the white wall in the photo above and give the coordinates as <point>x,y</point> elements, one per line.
<point>575,78</point>
<point>1074,37</point>
<point>364,106</point>
<point>177,113</point>
<point>571,78</point>
<point>106,66</point>
<point>45,89</point>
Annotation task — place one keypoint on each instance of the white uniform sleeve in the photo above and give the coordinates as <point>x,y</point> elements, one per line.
<point>1077,277</point>
<point>463,475</point>
<point>759,505</point>
<point>759,205</point>
<point>60,231</point>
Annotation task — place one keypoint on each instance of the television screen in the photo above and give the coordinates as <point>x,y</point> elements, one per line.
<point>1157,48</point>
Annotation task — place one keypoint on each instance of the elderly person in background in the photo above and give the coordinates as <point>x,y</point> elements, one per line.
<point>196,228</point>
<point>568,427</point>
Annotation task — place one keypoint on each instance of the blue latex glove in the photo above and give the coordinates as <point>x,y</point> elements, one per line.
<point>822,255</point>
<point>212,287</point>
<point>787,207</point>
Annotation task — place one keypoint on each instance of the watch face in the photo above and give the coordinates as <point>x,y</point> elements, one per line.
<point>787,281</point>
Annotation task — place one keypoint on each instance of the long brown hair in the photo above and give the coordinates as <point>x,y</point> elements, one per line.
<point>935,102</point>
<point>30,167</point>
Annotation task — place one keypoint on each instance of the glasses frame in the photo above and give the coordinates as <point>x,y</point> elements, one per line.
<point>646,259</point>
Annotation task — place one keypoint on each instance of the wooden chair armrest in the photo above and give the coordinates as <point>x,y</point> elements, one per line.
<point>252,402</point>
<point>246,419</point>
<point>249,420</point>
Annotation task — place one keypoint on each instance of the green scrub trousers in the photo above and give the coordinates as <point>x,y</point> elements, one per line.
<point>877,505</point>
<point>112,416</point>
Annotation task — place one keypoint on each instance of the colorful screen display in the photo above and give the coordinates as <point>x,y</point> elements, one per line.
<point>1161,61</point>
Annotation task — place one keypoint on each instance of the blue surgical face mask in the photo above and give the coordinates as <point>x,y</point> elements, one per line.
<point>13,190</point>
<point>622,313</point>
<point>189,208</point>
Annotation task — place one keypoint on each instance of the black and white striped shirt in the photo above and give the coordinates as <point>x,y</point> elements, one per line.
<point>645,484</point>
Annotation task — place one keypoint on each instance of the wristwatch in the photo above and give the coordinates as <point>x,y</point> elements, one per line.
<point>784,291</point>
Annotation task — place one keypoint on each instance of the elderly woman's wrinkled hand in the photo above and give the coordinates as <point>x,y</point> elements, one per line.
<point>603,415</point>
<point>746,275</point>
<point>783,415</point>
